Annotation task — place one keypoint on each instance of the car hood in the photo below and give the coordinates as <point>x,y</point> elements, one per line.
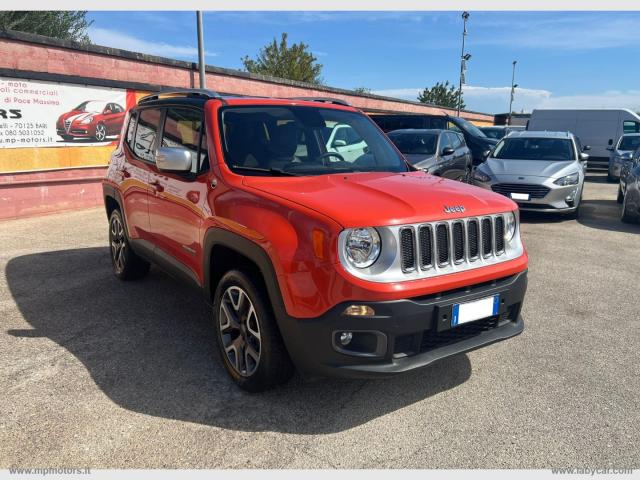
<point>377,199</point>
<point>420,160</point>
<point>530,168</point>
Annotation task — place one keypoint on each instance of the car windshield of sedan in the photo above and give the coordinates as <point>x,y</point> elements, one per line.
<point>557,149</point>
<point>496,133</point>
<point>422,143</point>
<point>91,106</point>
<point>296,140</point>
<point>630,143</point>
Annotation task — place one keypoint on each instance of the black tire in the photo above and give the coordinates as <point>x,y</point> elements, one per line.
<point>273,365</point>
<point>626,216</point>
<point>620,198</point>
<point>126,264</point>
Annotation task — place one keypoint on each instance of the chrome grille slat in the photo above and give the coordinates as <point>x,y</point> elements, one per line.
<point>456,244</point>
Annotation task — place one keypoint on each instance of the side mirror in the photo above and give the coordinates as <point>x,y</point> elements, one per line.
<point>173,159</point>
<point>584,157</point>
<point>339,143</point>
<point>586,148</point>
<point>447,151</point>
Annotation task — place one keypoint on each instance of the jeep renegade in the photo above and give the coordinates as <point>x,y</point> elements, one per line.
<point>316,243</point>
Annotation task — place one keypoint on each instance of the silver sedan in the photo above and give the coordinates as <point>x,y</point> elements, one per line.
<point>541,171</point>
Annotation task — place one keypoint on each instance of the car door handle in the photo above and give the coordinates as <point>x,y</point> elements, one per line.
<point>157,186</point>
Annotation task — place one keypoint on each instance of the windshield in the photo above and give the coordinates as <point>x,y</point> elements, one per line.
<point>467,127</point>
<point>92,106</point>
<point>535,149</point>
<point>292,140</point>
<point>629,142</point>
<point>496,133</point>
<point>415,143</point>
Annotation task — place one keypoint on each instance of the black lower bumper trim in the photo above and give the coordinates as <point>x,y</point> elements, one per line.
<point>416,331</point>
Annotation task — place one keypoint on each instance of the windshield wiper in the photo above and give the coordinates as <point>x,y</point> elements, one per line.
<point>272,171</point>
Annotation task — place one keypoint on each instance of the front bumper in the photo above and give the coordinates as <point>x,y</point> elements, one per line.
<point>558,199</point>
<point>403,334</point>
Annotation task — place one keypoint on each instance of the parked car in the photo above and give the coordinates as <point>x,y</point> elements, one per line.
<point>629,190</point>
<point>440,152</point>
<point>362,268</point>
<point>541,171</point>
<point>500,131</point>
<point>477,141</point>
<point>596,127</point>
<point>621,153</point>
<point>92,119</point>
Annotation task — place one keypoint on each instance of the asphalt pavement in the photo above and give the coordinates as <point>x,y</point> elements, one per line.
<point>100,373</point>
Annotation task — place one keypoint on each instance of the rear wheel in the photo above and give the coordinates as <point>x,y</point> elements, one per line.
<point>126,264</point>
<point>250,344</point>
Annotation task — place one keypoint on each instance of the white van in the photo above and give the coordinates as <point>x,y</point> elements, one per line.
<point>598,128</point>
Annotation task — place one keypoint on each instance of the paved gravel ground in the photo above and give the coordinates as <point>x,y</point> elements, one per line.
<point>96,372</point>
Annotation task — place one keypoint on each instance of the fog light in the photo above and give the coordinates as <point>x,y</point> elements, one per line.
<point>345,338</point>
<point>359,311</point>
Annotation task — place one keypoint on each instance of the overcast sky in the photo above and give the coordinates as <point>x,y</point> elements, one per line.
<point>568,60</point>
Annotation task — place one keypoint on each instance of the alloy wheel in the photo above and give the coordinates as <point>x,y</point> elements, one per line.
<point>240,331</point>
<point>101,132</point>
<point>118,244</point>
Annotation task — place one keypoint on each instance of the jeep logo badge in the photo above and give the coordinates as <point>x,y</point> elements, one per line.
<point>453,209</point>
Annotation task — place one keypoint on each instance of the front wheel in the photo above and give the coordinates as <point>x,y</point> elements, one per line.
<point>101,132</point>
<point>249,341</point>
<point>627,216</point>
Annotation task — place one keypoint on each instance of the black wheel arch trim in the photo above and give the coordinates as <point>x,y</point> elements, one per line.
<point>109,191</point>
<point>247,248</point>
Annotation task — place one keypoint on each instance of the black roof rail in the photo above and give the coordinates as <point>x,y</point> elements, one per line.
<point>336,101</point>
<point>184,92</point>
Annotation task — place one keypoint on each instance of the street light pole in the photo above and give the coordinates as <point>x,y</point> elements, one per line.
<point>203,81</point>
<point>513,91</point>
<point>463,60</point>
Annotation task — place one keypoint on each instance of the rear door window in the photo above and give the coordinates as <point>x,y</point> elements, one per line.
<point>146,134</point>
<point>131,129</point>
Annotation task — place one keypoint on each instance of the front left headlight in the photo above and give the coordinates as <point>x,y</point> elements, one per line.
<point>86,120</point>
<point>362,247</point>
<point>510,226</point>
<point>568,180</point>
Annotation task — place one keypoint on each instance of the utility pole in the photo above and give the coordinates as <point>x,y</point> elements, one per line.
<point>513,91</point>
<point>203,81</point>
<point>463,60</point>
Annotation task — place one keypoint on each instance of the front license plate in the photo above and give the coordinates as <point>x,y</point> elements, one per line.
<point>520,196</point>
<point>468,312</point>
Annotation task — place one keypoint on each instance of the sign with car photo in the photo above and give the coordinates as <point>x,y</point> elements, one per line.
<point>49,114</point>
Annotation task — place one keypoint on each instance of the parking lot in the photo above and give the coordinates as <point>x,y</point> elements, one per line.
<point>97,372</point>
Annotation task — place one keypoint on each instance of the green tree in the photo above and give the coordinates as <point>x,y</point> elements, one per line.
<point>362,90</point>
<point>293,62</point>
<point>68,25</point>
<point>441,94</point>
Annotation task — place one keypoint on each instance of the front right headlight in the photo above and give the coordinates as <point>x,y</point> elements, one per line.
<point>362,247</point>
<point>480,176</point>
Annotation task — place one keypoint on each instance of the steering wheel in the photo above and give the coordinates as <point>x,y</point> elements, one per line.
<point>330,154</point>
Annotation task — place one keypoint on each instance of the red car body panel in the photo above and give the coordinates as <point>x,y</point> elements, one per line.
<point>296,221</point>
<point>112,122</point>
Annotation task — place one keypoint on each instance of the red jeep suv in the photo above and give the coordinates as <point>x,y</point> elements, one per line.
<point>338,258</point>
